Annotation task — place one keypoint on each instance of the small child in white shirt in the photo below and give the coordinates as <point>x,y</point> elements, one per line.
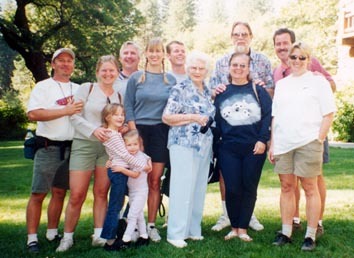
<point>138,191</point>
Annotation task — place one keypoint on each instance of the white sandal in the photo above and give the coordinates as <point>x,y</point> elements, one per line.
<point>245,237</point>
<point>230,235</point>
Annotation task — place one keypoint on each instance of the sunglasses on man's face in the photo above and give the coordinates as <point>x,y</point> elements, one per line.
<point>301,58</point>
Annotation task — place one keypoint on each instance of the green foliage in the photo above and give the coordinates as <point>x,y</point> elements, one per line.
<point>91,28</point>
<point>314,22</point>
<point>7,56</point>
<point>13,119</point>
<point>343,125</point>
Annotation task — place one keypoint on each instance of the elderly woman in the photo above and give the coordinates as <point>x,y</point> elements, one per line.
<point>302,113</point>
<point>187,111</point>
<point>243,115</point>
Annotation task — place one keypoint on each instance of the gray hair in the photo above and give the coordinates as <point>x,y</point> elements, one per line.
<point>197,56</point>
<point>130,43</point>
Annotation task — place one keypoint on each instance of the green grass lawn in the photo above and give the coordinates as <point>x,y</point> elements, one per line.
<point>338,241</point>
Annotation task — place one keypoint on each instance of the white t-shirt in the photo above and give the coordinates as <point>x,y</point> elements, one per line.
<point>299,104</point>
<point>45,95</point>
<point>139,183</point>
<point>179,77</point>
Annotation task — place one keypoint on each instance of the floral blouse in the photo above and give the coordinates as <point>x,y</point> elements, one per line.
<point>186,99</point>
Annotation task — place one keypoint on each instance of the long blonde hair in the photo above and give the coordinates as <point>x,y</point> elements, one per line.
<point>155,43</point>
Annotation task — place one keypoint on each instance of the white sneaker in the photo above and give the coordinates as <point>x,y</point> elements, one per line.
<point>196,238</point>
<point>177,243</point>
<point>65,244</point>
<point>255,224</point>
<point>97,241</point>
<point>135,235</point>
<point>222,223</point>
<point>153,234</point>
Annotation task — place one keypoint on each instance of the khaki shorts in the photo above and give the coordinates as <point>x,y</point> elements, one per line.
<point>86,155</point>
<point>305,161</point>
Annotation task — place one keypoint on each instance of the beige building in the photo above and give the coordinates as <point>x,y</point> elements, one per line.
<point>345,72</point>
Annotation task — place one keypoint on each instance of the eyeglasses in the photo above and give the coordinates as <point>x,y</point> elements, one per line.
<point>194,69</point>
<point>242,35</point>
<point>301,58</point>
<point>236,65</point>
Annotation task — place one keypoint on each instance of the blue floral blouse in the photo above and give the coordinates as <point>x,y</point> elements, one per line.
<point>186,99</point>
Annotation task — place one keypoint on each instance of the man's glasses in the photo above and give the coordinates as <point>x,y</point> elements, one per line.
<point>236,65</point>
<point>240,35</point>
<point>301,58</point>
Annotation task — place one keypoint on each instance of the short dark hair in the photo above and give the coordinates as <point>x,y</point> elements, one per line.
<point>168,46</point>
<point>282,31</point>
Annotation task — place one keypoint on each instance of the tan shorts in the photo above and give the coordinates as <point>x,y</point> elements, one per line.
<point>86,155</point>
<point>305,161</point>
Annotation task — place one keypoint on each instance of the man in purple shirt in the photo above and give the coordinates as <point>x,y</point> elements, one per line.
<point>283,39</point>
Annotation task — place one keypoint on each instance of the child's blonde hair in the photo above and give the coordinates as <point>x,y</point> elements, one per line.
<point>109,110</point>
<point>131,134</point>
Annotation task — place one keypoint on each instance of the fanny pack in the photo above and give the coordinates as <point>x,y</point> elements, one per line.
<point>43,142</point>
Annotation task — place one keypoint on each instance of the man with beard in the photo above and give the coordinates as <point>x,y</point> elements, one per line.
<point>283,39</point>
<point>261,73</point>
<point>260,67</point>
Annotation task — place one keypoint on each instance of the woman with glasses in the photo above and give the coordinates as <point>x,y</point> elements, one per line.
<point>261,73</point>
<point>303,110</point>
<point>145,98</point>
<point>88,155</point>
<point>243,115</point>
<point>188,110</point>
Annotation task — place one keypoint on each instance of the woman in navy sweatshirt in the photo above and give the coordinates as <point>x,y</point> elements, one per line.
<point>243,117</point>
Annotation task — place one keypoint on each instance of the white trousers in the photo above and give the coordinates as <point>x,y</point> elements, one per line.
<point>137,200</point>
<point>188,185</point>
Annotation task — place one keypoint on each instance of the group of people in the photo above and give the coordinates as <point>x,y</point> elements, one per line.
<point>128,126</point>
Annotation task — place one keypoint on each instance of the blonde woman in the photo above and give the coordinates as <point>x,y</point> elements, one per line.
<point>297,144</point>
<point>145,98</point>
<point>88,155</point>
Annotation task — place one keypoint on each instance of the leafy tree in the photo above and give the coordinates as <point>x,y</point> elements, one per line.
<point>13,119</point>
<point>343,124</point>
<point>7,56</point>
<point>152,26</point>
<point>36,28</point>
<point>314,22</point>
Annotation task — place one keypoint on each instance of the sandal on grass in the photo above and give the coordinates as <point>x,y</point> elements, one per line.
<point>245,237</point>
<point>230,235</point>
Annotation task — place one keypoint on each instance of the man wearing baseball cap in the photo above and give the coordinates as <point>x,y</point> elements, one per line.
<point>51,104</point>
